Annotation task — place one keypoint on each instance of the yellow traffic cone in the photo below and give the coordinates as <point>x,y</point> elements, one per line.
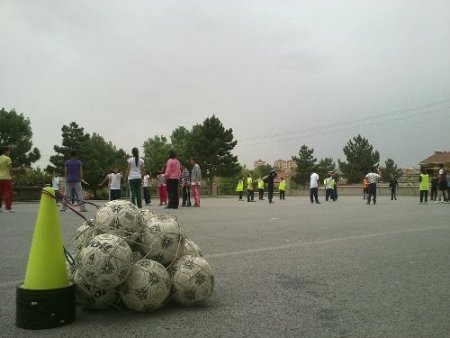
<point>47,298</point>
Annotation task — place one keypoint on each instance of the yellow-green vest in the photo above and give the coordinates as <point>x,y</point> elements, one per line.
<point>424,182</point>
<point>282,185</point>
<point>240,186</point>
<point>260,184</point>
<point>249,183</point>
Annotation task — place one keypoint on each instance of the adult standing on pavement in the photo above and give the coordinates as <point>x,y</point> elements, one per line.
<point>196,176</point>
<point>6,182</point>
<point>134,173</point>
<point>314,187</point>
<point>172,175</point>
<point>73,174</point>
<point>270,185</point>
<point>373,178</point>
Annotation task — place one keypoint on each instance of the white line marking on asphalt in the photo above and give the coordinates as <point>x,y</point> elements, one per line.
<point>290,246</point>
<point>323,241</point>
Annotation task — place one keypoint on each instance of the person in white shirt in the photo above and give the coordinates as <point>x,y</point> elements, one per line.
<point>314,187</point>
<point>56,182</point>
<point>146,183</point>
<point>114,179</point>
<point>134,174</point>
<point>373,178</point>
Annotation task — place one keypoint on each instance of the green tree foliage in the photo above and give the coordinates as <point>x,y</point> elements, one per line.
<point>15,131</point>
<point>262,170</point>
<point>155,153</point>
<point>361,157</point>
<point>305,165</point>
<point>212,144</point>
<point>181,144</point>
<point>324,166</point>
<point>390,170</point>
<point>73,138</point>
<point>97,155</point>
<point>99,158</point>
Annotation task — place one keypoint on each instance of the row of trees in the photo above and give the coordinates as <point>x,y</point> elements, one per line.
<point>210,142</point>
<point>361,158</point>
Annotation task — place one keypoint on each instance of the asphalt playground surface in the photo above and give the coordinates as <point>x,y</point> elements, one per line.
<point>289,269</point>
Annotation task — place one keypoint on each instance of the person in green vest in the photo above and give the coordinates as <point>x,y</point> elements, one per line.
<point>424,186</point>
<point>282,188</point>
<point>261,188</point>
<point>250,191</point>
<point>329,187</point>
<point>240,188</point>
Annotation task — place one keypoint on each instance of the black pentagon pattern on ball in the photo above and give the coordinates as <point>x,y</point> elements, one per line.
<point>115,223</point>
<point>166,242</point>
<point>141,293</point>
<point>189,264</point>
<point>200,278</point>
<point>108,267</point>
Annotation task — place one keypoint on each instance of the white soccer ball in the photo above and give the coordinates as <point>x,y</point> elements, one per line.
<point>193,280</point>
<point>147,215</point>
<point>121,218</point>
<point>105,261</point>
<point>191,248</point>
<point>162,239</point>
<point>92,297</point>
<point>84,233</point>
<point>147,287</point>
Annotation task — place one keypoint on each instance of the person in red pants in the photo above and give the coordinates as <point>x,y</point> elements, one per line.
<point>6,183</point>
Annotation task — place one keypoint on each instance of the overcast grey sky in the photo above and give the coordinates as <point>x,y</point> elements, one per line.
<point>279,73</point>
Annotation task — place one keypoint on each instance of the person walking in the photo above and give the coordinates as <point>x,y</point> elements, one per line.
<point>270,185</point>
<point>186,186</point>
<point>240,188</point>
<point>196,177</point>
<point>424,186</point>
<point>314,187</point>
<point>372,178</point>
<point>6,181</point>
<point>134,173</point>
<point>73,174</point>
<point>146,186</point>
<point>282,188</point>
<point>172,175</point>
<point>393,184</point>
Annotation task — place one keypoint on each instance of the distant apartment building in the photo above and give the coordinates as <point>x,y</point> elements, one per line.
<point>258,163</point>
<point>285,166</point>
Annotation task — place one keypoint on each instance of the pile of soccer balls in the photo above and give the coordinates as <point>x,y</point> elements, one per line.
<point>137,259</point>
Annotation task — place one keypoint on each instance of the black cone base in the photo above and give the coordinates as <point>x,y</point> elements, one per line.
<point>45,309</point>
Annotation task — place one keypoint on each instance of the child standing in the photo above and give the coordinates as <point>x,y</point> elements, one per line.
<point>146,184</point>
<point>162,188</point>
<point>424,185</point>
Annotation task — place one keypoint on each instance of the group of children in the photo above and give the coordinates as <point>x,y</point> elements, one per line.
<point>249,185</point>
